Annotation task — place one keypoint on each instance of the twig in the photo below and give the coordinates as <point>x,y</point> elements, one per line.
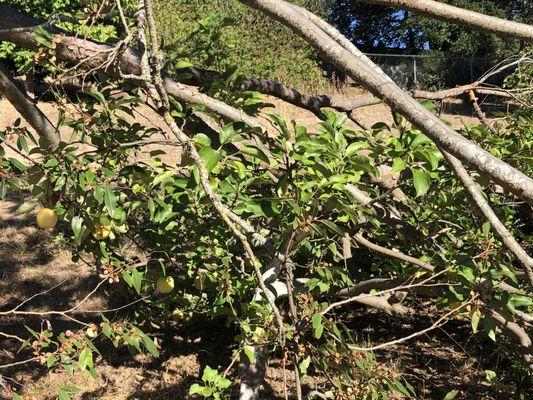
<point>437,324</point>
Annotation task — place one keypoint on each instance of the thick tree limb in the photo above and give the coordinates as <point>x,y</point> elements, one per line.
<point>449,13</point>
<point>29,111</point>
<point>19,29</point>
<point>348,58</point>
<point>389,283</point>
<point>358,238</point>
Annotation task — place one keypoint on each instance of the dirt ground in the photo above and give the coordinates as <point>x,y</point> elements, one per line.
<point>30,262</point>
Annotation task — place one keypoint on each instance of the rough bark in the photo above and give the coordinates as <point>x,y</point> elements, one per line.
<point>357,65</point>
<point>29,111</point>
<point>456,15</point>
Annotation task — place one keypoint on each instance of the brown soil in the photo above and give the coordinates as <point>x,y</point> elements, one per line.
<point>443,360</point>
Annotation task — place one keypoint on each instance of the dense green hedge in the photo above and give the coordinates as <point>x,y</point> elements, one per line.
<point>256,43</point>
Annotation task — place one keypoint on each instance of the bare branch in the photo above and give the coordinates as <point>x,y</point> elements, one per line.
<point>437,324</point>
<point>29,111</point>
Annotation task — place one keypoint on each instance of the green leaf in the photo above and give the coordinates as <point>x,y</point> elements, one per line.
<point>50,361</point>
<point>198,389</point>
<point>490,375</point>
<point>26,207</point>
<point>490,327</point>
<point>64,392</point>
<point>398,165</point>
<point>22,144</point>
<point>225,133</point>
<point>331,226</point>
<point>250,353</point>
<point>69,369</point>
<point>304,365</point>
<point>485,228</point>
<point>451,395</point>
<point>429,105</point>
<point>355,147</point>
<point>475,320</point>
<point>317,325</point>
<point>210,157</point>
<point>202,139</point>
<point>419,139</point>
<point>17,164</point>
<point>110,201</point>
<point>255,152</point>
<point>98,194</point>
<point>209,374</point>
<point>77,228</point>
<point>150,346</point>
<point>85,359</point>
<point>421,180</point>
<point>136,279</point>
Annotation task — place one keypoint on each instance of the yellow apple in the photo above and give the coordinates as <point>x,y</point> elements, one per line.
<point>178,315</point>
<point>101,232</point>
<point>46,218</point>
<point>165,285</point>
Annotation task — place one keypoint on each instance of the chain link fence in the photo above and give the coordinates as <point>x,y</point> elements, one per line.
<point>427,72</point>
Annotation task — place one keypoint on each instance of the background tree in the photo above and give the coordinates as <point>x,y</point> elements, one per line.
<point>380,29</point>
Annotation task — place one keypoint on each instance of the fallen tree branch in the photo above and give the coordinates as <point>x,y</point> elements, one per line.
<point>357,65</point>
<point>358,238</point>
<point>96,56</point>
<point>516,332</point>
<point>449,13</point>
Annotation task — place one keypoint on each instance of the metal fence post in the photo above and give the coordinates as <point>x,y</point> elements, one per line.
<point>414,70</point>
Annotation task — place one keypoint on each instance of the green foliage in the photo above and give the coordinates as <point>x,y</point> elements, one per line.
<point>214,385</point>
<point>160,206</point>
<point>293,187</point>
<point>206,32</point>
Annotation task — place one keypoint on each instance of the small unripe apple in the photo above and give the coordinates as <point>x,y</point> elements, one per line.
<point>165,285</point>
<point>46,218</point>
